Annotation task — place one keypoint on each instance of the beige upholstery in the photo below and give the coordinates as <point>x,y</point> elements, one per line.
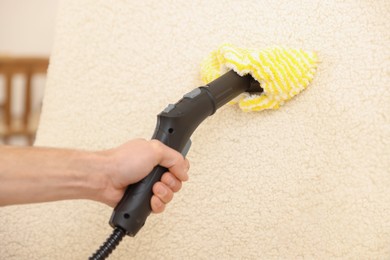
<point>309,181</point>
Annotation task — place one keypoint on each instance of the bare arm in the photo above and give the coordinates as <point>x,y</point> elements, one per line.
<point>31,174</point>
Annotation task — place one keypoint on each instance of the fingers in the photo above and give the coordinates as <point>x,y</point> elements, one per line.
<point>171,181</point>
<point>162,195</point>
<point>163,191</point>
<point>171,159</point>
<point>157,205</point>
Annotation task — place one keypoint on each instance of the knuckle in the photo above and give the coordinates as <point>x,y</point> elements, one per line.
<point>179,185</point>
<point>157,147</point>
<point>157,205</point>
<point>168,197</point>
<point>156,144</point>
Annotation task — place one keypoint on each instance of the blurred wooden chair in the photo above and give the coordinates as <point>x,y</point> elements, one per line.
<point>24,124</point>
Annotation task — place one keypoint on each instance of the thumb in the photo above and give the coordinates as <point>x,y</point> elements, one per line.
<point>171,159</point>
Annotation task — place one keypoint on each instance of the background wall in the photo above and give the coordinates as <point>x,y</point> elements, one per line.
<point>309,181</point>
<point>26,29</point>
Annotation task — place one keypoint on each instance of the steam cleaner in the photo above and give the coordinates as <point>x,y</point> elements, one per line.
<point>256,80</point>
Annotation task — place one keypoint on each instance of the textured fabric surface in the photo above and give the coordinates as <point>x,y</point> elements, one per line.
<point>308,181</point>
<point>281,71</point>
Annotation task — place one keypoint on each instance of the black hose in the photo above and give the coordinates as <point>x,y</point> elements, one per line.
<point>112,241</point>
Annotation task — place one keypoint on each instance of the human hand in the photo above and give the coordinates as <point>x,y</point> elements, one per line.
<point>132,161</point>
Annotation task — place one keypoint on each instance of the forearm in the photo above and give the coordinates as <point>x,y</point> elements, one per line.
<point>30,175</point>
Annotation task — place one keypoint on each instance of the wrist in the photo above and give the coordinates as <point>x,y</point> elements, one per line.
<point>101,186</point>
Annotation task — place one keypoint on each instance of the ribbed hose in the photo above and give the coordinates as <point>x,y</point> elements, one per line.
<point>105,250</point>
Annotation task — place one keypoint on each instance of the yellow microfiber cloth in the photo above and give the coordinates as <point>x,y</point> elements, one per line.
<point>281,72</point>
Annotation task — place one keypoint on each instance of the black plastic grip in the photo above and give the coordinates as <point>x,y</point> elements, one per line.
<point>175,125</point>
<point>174,128</point>
<point>134,208</point>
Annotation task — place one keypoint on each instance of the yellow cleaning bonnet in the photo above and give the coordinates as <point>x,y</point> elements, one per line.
<point>281,72</point>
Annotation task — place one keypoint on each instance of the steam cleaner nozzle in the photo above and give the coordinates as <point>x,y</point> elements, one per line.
<point>230,85</point>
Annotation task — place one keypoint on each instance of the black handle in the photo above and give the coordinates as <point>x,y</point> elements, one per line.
<point>175,125</point>
<point>174,128</point>
<point>134,208</point>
